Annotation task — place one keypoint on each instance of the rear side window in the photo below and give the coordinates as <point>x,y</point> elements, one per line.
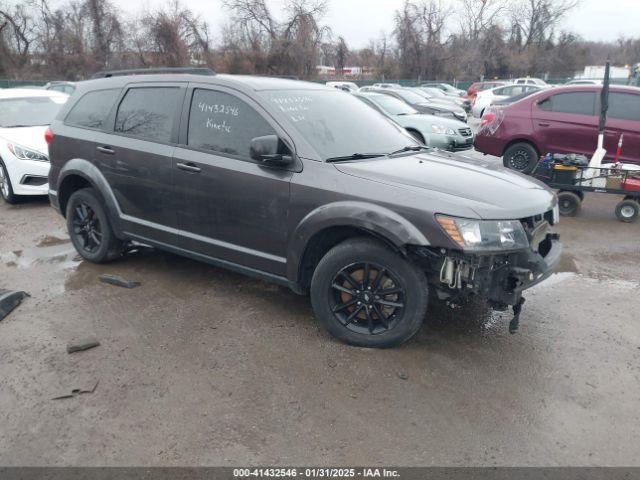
<point>92,109</point>
<point>624,106</point>
<point>148,113</point>
<point>223,123</point>
<point>576,103</point>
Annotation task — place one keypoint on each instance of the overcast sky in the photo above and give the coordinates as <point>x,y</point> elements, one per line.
<point>360,20</point>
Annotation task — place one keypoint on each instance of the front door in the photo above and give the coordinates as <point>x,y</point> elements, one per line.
<point>229,206</point>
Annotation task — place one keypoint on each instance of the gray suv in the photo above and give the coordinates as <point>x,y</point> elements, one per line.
<point>299,184</point>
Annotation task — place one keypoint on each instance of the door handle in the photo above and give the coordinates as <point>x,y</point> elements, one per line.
<point>544,124</point>
<point>106,150</point>
<point>188,167</point>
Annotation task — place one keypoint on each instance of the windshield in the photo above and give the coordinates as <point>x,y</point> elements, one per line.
<point>29,111</point>
<point>411,97</point>
<point>435,92</point>
<point>336,124</point>
<point>391,105</point>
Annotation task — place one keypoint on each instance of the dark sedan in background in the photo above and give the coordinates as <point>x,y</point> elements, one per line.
<point>424,105</point>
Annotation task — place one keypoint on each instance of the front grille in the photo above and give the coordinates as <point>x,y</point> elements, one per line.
<point>465,132</point>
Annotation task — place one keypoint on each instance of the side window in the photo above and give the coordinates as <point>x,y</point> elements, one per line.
<point>624,106</point>
<point>501,91</point>
<point>92,109</point>
<point>576,103</point>
<point>223,123</point>
<point>148,113</point>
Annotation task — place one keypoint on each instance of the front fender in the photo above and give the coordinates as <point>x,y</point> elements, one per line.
<point>376,219</point>
<point>89,172</point>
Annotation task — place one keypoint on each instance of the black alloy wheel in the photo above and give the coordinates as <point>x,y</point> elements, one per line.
<point>367,298</point>
<point>87,229</point>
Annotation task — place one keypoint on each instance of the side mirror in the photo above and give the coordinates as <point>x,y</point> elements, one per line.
<point>270,150</point>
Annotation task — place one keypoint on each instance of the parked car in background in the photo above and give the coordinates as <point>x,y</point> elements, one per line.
<point>530,81</point>
<point>376,227</point>
<point>64,87</point>
<point>438,94</point>
<point>476,87</point>
<point>561,120</point>
<point>446,88</point>
<point>424,105</point>
<point>446,101</point>
<point>24,161</point>
<point>347,86</point>
<point>437,132</point>
<point>386,85</point>
<point>514,99</point>
<point>584,82</point>
<point>486,98</point>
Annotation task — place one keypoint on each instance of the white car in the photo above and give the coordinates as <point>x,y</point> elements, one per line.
<point>530,81</point>
<point>347,86</point>
<point>584,82</point>
<point>25,114</point>
<point>486,98</point>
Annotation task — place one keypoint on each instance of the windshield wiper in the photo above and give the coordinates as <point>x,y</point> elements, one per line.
<point>355,156</point>
<point>410,148</point>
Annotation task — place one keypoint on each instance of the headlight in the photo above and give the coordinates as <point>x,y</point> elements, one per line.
<point>441,129</point>
<point>26,154</point>
<point>483,235</point>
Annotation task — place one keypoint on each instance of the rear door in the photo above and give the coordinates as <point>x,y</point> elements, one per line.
<point>566,123</point>
<point>138,154</point>
<point>229,206</point>
<point>623,118</point>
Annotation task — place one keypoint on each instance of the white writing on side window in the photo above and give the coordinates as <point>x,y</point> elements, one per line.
<point>218,108</point>
<point>221,127</point>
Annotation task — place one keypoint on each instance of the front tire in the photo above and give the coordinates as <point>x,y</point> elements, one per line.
<point>521,157</point>
<point>367,295</point>
<point>6,190</point>
<point>90,229</point>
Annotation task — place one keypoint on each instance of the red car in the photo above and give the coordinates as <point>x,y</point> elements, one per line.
<point>561,120</point>
<point>476,87</point>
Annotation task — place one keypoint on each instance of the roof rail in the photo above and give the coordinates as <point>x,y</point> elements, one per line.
<point>153,71</point>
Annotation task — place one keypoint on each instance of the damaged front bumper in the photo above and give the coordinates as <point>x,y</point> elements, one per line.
<point>499,277</point>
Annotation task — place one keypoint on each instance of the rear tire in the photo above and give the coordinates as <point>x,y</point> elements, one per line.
<point>367,295</point>
<point>568,203</point>
<point>6,190</point>
<point>521,157</point>
<point>627,211</point>
<point>90,229</point>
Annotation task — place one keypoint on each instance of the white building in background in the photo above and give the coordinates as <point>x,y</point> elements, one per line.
<point>596,72</point>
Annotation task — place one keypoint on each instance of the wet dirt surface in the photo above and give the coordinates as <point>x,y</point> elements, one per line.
<point>199,366</point>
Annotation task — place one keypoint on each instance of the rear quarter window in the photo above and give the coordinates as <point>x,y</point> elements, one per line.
<point>92,109</point>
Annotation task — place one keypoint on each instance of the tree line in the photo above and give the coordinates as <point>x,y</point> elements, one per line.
<point>429,39</point>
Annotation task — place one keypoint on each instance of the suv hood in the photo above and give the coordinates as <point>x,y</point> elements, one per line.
<point>28,137</point>
<point>491,191</point>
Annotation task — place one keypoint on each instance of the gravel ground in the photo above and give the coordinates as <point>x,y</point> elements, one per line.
<point>199,366</point>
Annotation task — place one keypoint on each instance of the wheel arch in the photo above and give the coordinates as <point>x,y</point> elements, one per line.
<point>77,174</point>
<point>528,140</point>
<point>331,224</point>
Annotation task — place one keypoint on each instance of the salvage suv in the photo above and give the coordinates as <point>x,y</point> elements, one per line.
<point>301,185</point>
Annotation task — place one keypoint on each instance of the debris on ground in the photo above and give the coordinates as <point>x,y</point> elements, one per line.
<point>10,300</point>
<point>118,281</point>
<point>82,345</point>
<point>403,376</point>
<point>87,388</point>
